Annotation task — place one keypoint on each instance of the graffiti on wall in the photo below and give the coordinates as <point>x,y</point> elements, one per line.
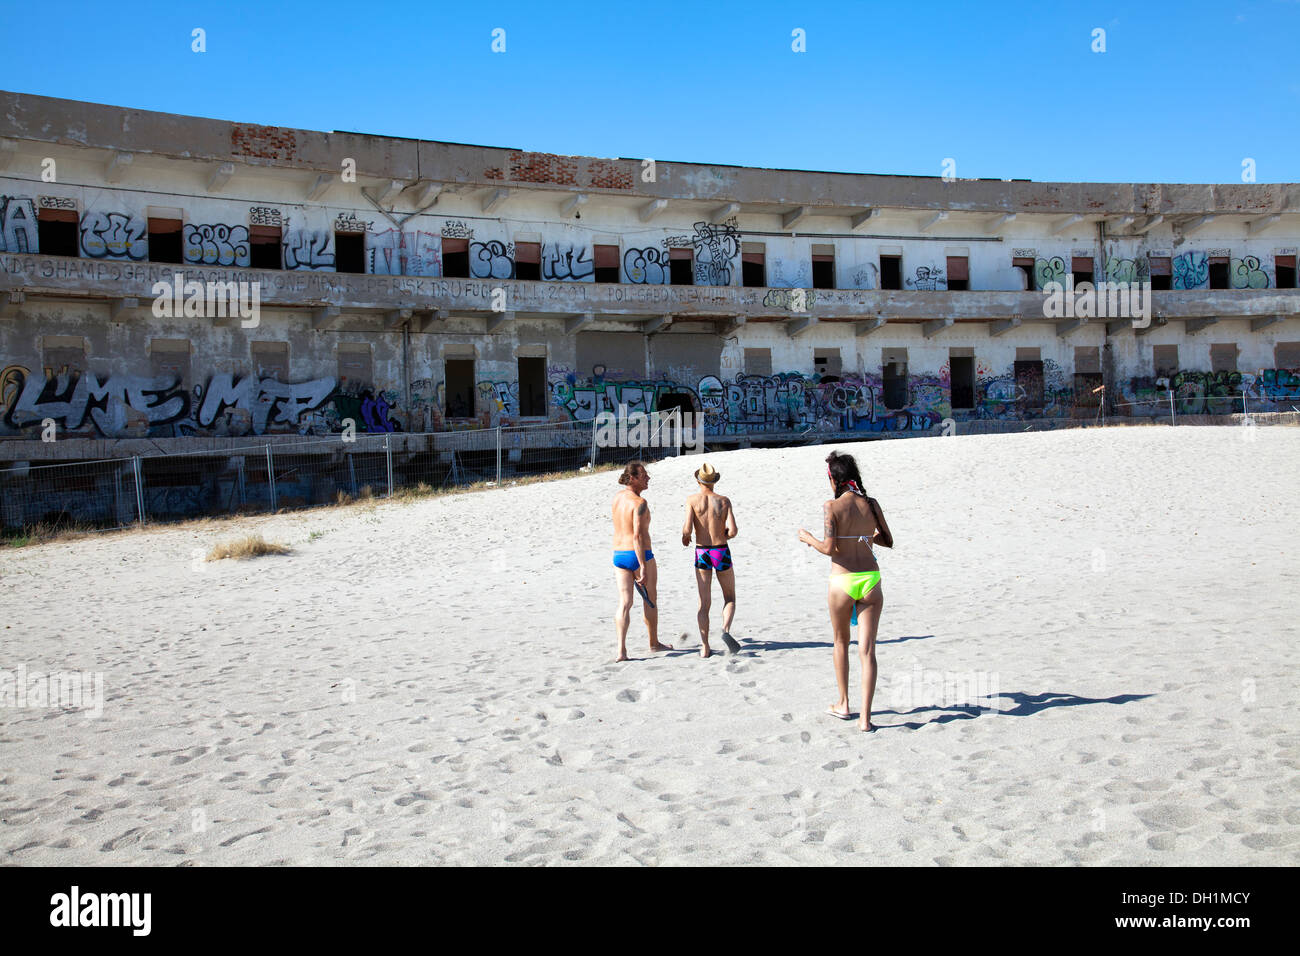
<point>421,250</point>
<point>216,245</point>
<point>226,405</point>
<point>492,260</point>
<point>565,261</point>
<point>1246,274</point>
<point>648,266</point>
<point>114,235</point>
<point>716,248</point>
<point>1191,271</point>
<point>309,249</point>
<point>1049,270</point>
<point>18,232</point>
<point>927,279</point>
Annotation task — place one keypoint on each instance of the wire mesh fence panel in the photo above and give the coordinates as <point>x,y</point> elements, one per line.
<point>177,487</point>
<point>69,495</point>
<point>546,449</point>
<point>314,473</point>
<point>644,437</point>
<point>466,457</point>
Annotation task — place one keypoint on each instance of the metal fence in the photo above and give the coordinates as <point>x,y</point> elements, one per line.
<point>284,474</point>
<point>289,473</point>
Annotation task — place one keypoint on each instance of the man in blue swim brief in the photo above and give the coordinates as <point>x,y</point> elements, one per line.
<point>634,562</point>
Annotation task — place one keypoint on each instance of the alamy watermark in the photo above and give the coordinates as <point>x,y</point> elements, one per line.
<point>61,689</point>
<point>944,689</point>
<point>193,299</point>
<point>649,430</point>
<point>1105,300</point>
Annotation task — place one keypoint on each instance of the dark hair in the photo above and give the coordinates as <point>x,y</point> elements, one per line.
<point>634,469</point>
<point>842,469</point>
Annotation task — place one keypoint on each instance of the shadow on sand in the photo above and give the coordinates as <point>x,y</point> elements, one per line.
<point>797,645</point>
<point>1023,705</point>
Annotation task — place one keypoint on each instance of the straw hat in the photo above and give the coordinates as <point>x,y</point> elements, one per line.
<point>706,475</point>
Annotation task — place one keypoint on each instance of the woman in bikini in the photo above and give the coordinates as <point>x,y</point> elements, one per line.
<point>853,522</point>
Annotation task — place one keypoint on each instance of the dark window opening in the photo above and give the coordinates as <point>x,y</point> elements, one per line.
<point>165,240</point>
<point>455,258</point>
<point>349,252</point>
<point>532,387</point>
<point>891,272</point>
<point>681,266</point>
<point>1218,272</point>
<point>823,272</point>
<point>670,402</point>
<point>961,379</point>
<point>56,232</point>
<point>460,388</point>
<point>753,266</point>
<point>894,382</point>
<point>1026,265</point>
<point>958,275</point>
<point>1081,267</point>
<point>1029,382</point>
<point>606,263</point>
<point>1087,387</point>
<point>264,247</point>
<point>1285,268</point>
<point>528,261</point>
<point>1161,273</point>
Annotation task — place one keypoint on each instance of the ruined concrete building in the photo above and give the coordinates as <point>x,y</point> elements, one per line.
<point>419,286</point>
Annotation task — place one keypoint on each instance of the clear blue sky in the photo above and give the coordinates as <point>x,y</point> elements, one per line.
<point>1184,92</point>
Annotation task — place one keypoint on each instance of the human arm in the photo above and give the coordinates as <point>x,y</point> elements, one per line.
<point>882,537</point>
<point>732,530</point>
<point>640,531</point>
<point>686,525</point>
<point>828,521</point>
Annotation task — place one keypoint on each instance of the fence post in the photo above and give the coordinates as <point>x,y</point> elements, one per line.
<point>388,454</point>
<point>498,454</point>
<point>139,490</point>
<point>593,443</point>
<point>1173,420</point>
<point>270,476</point>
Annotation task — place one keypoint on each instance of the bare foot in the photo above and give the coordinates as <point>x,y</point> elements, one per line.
<point>660,647</point>
<point>835,710</point>
<point>733,647</point>
<point>866,726</point>
<point>704,650</point>
<point>621,657</point>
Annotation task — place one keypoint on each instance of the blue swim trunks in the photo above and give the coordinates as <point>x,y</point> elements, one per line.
<point>627,559</point>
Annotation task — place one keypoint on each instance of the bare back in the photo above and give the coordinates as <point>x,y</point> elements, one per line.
<point>710,518</point>
<point>630,513</point>
<point>850,520</point>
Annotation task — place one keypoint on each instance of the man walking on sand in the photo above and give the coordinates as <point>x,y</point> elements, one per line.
<point>634,562</point>
<point>710,518</point>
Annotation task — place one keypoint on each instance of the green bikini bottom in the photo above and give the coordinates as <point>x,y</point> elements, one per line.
<point>857,585</point>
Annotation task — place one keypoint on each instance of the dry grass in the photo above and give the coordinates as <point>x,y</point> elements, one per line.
<point>249,546</point>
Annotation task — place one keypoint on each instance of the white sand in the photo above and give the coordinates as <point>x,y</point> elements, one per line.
<point>1148,717</point>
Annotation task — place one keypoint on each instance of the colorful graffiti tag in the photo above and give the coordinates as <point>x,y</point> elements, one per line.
<point>120,406</point>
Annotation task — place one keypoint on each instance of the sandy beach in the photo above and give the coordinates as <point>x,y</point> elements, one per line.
<point>431,682</point>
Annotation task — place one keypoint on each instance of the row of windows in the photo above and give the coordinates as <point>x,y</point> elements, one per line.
<point>58,236</point>
<point>171,358</point>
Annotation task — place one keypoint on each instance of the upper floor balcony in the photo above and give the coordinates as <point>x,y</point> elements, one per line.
<point>388,302</point>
